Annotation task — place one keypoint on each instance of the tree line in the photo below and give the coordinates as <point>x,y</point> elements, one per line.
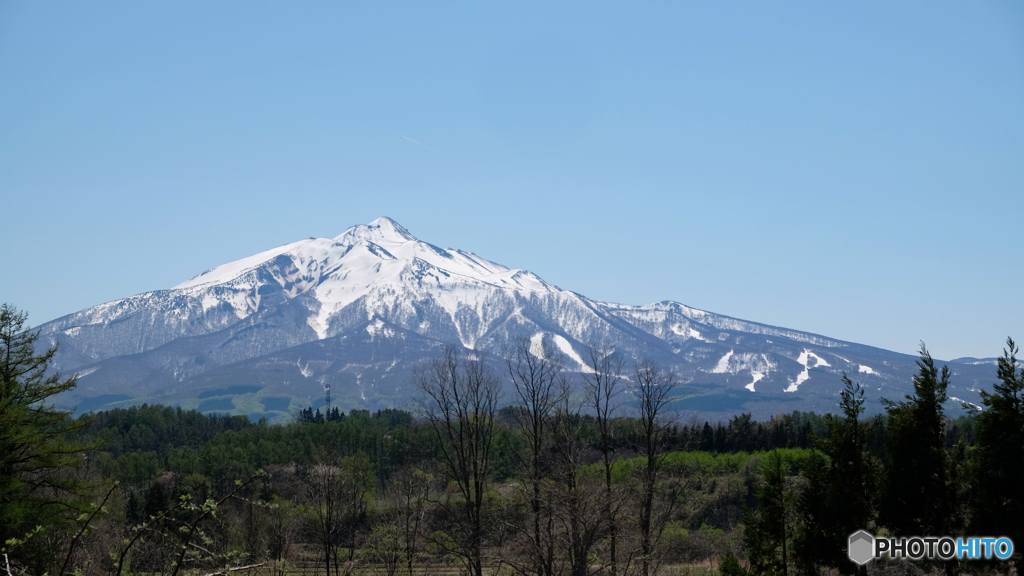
<point>569,473</point>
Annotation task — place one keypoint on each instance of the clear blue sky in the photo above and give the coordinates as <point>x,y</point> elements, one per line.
<point>854,169</point>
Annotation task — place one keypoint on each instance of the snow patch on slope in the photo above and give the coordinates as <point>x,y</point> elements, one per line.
<point>732,363</point>
<point>566,349</point>
<point>537,344</point>
<point>563,345</point>
<point>865,369</point>
<point>809,360</point>
<point>723,364</point>
<point>757,378</point>
<point>377,328</point>
<point>86,372</point>
<point>806,357</point>
<point>800,379</point>
<point>687,331</point>
<point>955,399</point>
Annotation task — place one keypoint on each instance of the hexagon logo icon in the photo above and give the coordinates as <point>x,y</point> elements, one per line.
<point>861,547</point>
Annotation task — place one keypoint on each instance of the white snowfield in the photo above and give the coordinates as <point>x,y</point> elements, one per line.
<point>365,247</point>
<point>809,360</point>
<point>865,369</point>
<point>757,364</point>
<point>757,377</point>
<point>381,263</point>
<point>723,364</point>
<point>231,270</point>
<point>388,272</point>
<point>976,407</point>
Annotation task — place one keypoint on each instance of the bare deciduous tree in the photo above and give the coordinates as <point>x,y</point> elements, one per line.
<point>322,489</point>
<point>407,492</point>
<point>579,502</point>
<point>653,391</point>
<point>603,384</point>
<point>282,527</point>
<point>334,491</point>
<point>536,370</point>
<point>459,399</point>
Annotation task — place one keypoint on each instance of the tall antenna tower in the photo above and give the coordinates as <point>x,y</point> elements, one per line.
<point>327,390</point>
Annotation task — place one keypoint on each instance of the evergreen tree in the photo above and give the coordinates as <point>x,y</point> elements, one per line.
<point>841,486</point>
<point>156,501</point>
<point>707,438</point>
<point>768,531</point>
<point>37,483</point>
<point>921,497</point>
<point>999,456</point>
<point>743,433</point>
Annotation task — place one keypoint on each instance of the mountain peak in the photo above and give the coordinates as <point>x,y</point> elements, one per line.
<point>360,311</point>
<point>383,231</point>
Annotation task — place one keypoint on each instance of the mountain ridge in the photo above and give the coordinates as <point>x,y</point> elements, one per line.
<point>217,328</point>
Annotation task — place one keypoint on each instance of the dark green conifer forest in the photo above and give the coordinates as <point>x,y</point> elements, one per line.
<point>557,478</point>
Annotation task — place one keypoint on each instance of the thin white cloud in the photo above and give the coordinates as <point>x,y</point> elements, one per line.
<point>420,143</point>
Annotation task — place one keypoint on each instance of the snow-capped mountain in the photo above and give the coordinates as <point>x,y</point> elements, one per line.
<point>266,335</point>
